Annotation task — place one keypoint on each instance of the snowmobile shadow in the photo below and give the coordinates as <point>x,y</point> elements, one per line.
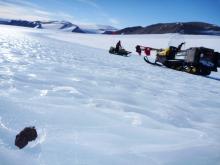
<point>128,55</point>
<point>213,78</point>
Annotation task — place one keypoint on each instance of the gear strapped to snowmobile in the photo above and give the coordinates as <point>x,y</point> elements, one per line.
<point>195,60</point>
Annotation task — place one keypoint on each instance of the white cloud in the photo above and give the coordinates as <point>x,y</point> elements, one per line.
<point>65,16</point>
<point>22,10</point>
<point>19,2</point>
<point>114,21</point>
<point>90,3</point>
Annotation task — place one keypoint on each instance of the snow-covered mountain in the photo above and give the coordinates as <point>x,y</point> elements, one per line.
<point>97,29</point>
<point>195,28</point>
<point>60,25</point>
<point>22,23</point>
<point>93,108</point>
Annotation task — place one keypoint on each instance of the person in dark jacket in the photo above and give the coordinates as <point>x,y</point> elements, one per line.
<point>118,46</point>
<point>138,49</point>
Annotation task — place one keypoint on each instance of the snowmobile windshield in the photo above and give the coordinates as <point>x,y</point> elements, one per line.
<point>176,40</point>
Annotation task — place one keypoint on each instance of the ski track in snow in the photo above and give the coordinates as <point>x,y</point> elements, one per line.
<point>90,107</point>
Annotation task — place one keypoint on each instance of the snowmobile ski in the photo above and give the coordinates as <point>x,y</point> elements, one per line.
<point>152,63</point>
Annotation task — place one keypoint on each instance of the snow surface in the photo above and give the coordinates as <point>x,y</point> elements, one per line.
<point>92,108</point>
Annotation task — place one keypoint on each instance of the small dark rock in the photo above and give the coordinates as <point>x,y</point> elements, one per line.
<point>26,135</point>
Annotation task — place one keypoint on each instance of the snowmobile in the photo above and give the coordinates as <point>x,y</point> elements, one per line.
<point>195,60</point>
<point>121,52</point>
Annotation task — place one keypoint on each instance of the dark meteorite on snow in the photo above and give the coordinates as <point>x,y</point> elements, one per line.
<point>26,135</point>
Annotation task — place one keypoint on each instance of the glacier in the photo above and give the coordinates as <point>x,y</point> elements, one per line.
<point>93,108</point>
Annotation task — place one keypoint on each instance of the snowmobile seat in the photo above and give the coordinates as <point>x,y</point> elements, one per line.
<point>172,53</point>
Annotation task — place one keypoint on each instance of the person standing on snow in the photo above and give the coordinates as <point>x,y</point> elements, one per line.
<point>118,46</point>
<point>138,49</point>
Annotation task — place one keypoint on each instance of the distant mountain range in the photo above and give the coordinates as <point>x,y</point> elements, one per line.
<point>194,28</point>
<point>61,25</point>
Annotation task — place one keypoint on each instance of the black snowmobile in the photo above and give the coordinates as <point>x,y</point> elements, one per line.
<point>121,52</point>
<point>196,60</point>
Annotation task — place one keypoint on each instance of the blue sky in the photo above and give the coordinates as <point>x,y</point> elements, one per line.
<point>118,13</point>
